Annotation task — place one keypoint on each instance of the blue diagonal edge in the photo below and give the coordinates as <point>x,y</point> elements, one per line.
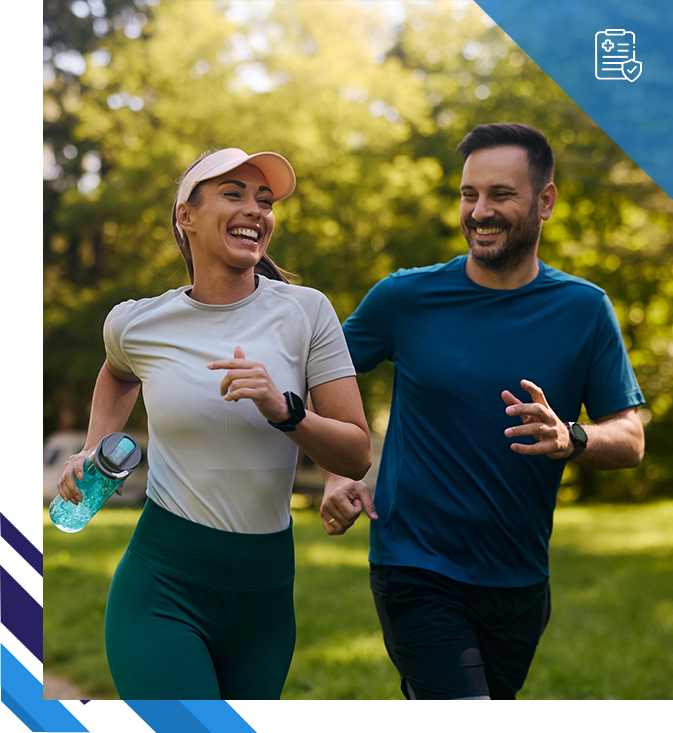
<point>165,715</point>
<point>559,37</point>
<point>9,702</point>
<point>20,543</point>
<point>21,614</point>
<point>218,716</point>
<point>22,708</point>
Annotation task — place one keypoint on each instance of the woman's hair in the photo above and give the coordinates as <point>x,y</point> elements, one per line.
<point>264,267</point>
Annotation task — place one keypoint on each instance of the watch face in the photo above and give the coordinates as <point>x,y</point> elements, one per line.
<point>579,432</point>
<point>297,409</point>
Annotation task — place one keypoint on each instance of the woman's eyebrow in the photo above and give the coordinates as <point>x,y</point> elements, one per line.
<point>242,185</point>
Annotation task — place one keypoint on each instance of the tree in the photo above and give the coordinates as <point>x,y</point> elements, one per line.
<point>369,109</point>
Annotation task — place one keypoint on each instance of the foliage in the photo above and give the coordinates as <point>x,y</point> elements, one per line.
<point>610,634</point>
<point>369,109</point>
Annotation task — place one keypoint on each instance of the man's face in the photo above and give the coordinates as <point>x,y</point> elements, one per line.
<point>499,213</point>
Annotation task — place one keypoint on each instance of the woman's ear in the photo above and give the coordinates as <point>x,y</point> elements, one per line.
<point>183,217</point>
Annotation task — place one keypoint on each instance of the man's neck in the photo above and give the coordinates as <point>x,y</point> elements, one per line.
<point>507,280</point>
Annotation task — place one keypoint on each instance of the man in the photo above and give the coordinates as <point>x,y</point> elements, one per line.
<point>494,353</point>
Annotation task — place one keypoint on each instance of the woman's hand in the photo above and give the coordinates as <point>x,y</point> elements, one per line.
<point>249,380</point>
<point>335,436</point>
<point>67,488</point>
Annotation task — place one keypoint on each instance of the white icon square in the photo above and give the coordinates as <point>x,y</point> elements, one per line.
<point>616,55</point>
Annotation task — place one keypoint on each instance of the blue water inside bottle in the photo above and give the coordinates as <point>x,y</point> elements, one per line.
<point>105,470</point>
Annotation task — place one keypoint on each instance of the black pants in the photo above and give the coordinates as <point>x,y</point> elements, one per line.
<point>451,640</point>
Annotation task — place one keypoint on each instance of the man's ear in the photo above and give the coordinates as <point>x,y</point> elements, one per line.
<point>184,217</point>
<point>547,200</point>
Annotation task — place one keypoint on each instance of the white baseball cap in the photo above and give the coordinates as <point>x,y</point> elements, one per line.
<point>277,171</point>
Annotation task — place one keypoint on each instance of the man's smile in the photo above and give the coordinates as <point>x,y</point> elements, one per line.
<point>487,232</point>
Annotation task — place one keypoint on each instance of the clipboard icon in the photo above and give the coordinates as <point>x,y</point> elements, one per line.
<point>616,55</point>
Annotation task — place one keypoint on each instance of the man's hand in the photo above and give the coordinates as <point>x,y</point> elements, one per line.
<point>540,421</point>
<point>342,503</point>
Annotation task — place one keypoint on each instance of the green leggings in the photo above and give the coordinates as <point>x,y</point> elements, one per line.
<point>196,613</point>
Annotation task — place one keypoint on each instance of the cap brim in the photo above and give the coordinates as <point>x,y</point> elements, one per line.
<point>277,171</point>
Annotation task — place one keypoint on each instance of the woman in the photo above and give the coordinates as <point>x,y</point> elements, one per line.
<point>200,606</point>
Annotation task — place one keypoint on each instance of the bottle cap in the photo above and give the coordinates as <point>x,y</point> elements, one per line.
<point>117,455</point>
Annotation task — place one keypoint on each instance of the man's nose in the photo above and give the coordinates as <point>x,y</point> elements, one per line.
<point>483,209</point>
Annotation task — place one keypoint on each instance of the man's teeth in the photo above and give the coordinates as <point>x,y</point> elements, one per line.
<point>249,233</point>
<point>489,231</point>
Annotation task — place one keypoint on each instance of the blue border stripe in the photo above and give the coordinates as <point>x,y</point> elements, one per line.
<point>20,543</point>
<point>218,716</point>
<point>21,614</point>
<point>167,716</point>
<point>20,713</point>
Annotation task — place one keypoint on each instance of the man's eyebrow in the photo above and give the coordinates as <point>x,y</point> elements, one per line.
<point>494,187</point>
<point>242,185</point>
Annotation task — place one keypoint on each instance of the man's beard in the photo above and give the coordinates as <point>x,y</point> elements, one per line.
<point>519,243</point>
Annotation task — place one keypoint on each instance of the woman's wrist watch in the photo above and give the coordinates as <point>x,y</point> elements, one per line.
<point>297,413</point>
<point>578,438</point>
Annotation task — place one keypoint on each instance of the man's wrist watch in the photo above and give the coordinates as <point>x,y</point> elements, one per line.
<point>297,413</point>
<point>578,438</point>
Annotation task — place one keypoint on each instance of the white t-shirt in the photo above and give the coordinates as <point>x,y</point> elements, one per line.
<point>214,462</point>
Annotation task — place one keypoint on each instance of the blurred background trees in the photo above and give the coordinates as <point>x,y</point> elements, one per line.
<point>368,100</point>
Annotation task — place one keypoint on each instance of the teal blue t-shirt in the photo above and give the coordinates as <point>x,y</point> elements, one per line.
<point>451,495</point>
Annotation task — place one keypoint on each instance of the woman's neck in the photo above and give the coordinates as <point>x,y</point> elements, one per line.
<point>223,289</point>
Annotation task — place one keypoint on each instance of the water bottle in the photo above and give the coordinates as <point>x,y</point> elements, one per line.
<point>105,470</point>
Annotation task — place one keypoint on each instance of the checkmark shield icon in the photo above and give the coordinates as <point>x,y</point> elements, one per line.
<point>632,69</point>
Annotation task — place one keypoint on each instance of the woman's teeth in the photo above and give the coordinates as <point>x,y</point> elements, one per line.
<point>247,233</point>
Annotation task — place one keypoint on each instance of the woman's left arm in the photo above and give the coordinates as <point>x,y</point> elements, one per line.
<point>335,436</point>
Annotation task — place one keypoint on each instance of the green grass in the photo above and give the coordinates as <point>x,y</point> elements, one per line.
<point>610,634</point>
<point>611,631</point>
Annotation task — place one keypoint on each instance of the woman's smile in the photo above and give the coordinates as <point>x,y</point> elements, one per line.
<point>245,233</point>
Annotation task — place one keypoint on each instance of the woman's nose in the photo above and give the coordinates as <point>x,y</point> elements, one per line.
<point>251,208</point>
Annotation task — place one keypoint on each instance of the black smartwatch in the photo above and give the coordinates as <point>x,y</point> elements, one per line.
<point>578,438</point>
<point>297,413</point>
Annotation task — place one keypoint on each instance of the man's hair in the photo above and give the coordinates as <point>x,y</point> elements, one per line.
<point>495,135</point>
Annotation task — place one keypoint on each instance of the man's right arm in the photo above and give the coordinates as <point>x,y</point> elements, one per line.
<point>343,501</point>
<point>369,335</point>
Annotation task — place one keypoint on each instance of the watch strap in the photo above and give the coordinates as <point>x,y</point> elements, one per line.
<point>579,443</point>
<point>297,413</point>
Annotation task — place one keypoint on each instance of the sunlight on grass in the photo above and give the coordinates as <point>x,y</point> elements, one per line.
<point>85,550</point>
<point>612,530</point>
<point>344,650</point>
<point>663,614</point>
<point>334,556</point>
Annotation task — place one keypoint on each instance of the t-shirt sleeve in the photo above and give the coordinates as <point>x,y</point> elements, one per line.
<point>113,331</point>
<point>328,357</point>
<point>369,330</point>
<point>612,383</point>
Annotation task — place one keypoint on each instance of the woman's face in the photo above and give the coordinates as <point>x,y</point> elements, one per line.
<point>233,223</point>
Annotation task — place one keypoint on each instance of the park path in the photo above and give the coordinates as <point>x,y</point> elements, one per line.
<point>57,688</point>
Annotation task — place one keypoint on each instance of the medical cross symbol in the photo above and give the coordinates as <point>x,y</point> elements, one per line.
<point>608,45</point>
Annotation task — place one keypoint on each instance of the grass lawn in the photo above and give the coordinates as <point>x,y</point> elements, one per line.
<point>610,634</point>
